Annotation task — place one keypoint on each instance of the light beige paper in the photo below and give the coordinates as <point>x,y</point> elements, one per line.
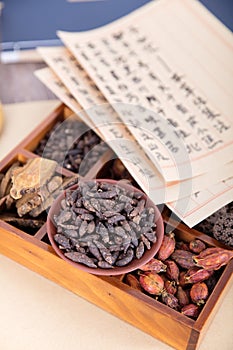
<point>20,119</point>
<point>75,78</point>
<point>195,184</point>
<point>174,58</point>
<point>130,155</point>
<point>203,203</point>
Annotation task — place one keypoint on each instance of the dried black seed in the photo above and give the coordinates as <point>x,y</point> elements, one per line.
<point>126,259</point>
<point>62,241</point>
<point>140,250</point>
<point>81,258</point>
<point>146,242</point>
<point>116,218</point>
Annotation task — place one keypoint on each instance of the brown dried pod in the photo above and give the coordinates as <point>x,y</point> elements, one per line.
<point>190,310</point>
<point>182,245</point>
<point>172,271</point>
<point>132,281</point>
<point>196,274</point>
<point>182,296</point>
<point>199,293</point>
<point>182,281</point>
<point>151,283</point>
<point>170,300</point>
<point>170,287</point>
<point>213,258</point>
<point>183,258</point>
<point>167,247</point>
<point>154,265</point>
<point>197,246</point>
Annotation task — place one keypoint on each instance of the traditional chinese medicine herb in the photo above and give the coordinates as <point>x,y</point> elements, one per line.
<point>104,225</point>
<point>72,145</point>
<point>182,280</point>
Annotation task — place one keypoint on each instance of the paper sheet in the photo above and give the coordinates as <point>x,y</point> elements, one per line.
<point>184,85</point>
<point>203,203</point>
<point>79,84</point>
<point>210,198</point>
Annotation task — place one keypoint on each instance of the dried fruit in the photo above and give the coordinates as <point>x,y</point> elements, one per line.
<point>199,293</point>
<point>182,245</point>
<point>196,246</point>
<point>183,258</point>
<point>167,247</point>
<point>170,287</point>
<point>182,281</point>
<point>182,296</point>
<point>170,300</point>
<point>154,265</point>
<point>151,283</point>
<point>190,310</point>
<point>133,282</point>
<point>213,258</point>
<point>196,274</point>
<point>172,271</point>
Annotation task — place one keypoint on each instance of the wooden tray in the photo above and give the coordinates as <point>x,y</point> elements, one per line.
<point>109,293</point>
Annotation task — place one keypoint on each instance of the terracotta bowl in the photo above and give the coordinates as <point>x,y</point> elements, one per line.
<point>135,263</point>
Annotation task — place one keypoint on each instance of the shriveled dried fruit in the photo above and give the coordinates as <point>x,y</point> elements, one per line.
<point>213,258</point>
<point>133,282</point>
<point>154,265</point>
<point>182,296</point>
<point>151,283</point>
<point>167,247</point>
<point>197,246</point>
<point>182,281</point>
<point>182,245</point>
<point>199,293</point>
<point>183,258</point>
<point>190,310</point>
<point>196,274</point>
<point>170,300</point>
<point>172,271</point>
<point>170,287</point>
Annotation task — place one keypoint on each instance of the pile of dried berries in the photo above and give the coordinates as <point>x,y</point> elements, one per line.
<point>181,275</point>
<point>26,191</point>
<point>72,145</point>
<point>104,225</point>
<point>219,225</point>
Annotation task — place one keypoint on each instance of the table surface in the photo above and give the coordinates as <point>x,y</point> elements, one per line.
<point>43,315</point>
<point>18,83</point>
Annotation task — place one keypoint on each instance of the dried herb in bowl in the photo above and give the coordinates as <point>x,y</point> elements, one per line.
<point>105,226</point>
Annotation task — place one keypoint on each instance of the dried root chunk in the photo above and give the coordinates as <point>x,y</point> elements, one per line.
<point>29,178</point>
<point>6,180</point>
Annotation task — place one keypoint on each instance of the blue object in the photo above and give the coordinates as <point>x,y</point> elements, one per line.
<point>25,22</point>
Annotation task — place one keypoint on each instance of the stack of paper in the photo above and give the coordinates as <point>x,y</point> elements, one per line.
<point>156,85</point>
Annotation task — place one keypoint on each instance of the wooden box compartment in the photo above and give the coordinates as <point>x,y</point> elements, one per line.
<point>109,293</point>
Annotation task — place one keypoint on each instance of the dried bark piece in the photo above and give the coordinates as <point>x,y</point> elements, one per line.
<point>34,174</point>
<point>32,203</point>
<point>54,184</point>
<point>7,179</point>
